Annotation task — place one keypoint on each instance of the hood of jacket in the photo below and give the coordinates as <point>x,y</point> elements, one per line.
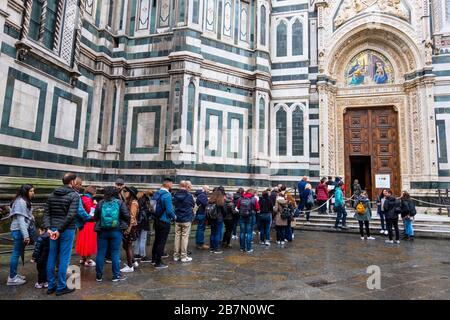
<point>181,195</point>
<point>247,195</point>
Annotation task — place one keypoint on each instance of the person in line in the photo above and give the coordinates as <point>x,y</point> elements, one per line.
<point>301,187</point>
<point>282,213</point>
<point>331,186</point>
<point>120,186</point>
<point>380,210</point>
<point>87,238</point>
<point>265,217</point>
<point>164,215</point>
<point>216,204</point>
<point>131,234</point>
<point>202,202</point>
<point>356,190</point>
<point>363,214</point>
<point>184,210</point>
<point>112,218</point>
<point>340,207</point>
<point>408,212</point>
<point>40,257</point>
<point>307,198</point>
<point>228,220</point>
<point>322,196</point>
<point>143,225</point>
<point>59,220</point>
<point>392,209</point>
<point>238,195</point>
<point>22,219</point>
<point>247,206</point>
<point>292,206</point>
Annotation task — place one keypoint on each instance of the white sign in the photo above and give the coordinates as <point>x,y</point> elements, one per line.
<point>382,181</point>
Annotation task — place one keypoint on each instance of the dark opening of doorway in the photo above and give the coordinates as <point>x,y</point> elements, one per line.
<point>361,170</point>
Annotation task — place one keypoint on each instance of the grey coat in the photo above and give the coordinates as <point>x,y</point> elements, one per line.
<point>368,214</point>
<point>21,217</point>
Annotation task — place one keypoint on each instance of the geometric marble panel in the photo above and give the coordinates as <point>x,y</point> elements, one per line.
<point>66,117</point>
<point>213,132</point>
<point>235,130</point>
<point>24,107</point>
<point>145,130</point>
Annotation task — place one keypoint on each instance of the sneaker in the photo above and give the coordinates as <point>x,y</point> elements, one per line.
<point>21,277</point>
<point>217,251</point>
<point>254,233</point>
<point>389,241</point>
<point>121,278</point>
<point>362,238</point>
<point>282,242</point>
<point>145,259</point>
<point>187,259</point>
<point>135,264</point>
<point>262,243</point>
<point>397,241</point>
<point>16,281</point>
<point>381,231</point>
<point>66,290</point>
<point>153,263</point>
<point>386,232</point>
<point>99,279</point>
<point>293,236</point>
<point>82,261</point>
<point>38,285</point>
<point>250,251</point>
<point>278,242</point>
<point>108,261</point>
<point>267,243</point>
<point>165,255</point>
<point>90,263</point>
<point>241,250</point>
<point>127,269</point>
<point>137,257</point>
<point>203,247</point>
<point>176,259</point>
<point>370,238</point>
<point>161,266</point>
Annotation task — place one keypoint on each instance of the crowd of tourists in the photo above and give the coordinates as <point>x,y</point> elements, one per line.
<point>123,216</point>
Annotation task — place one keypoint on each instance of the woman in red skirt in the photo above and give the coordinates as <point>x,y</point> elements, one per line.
<point>87,238</point>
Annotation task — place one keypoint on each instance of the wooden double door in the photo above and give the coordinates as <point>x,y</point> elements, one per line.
<point>371,148</point>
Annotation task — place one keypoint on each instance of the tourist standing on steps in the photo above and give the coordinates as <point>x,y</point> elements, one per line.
<point>301,187</point>
<point>228,220</point>
<point>322,196</point>
<point>236,197</point>
<point>380,210</point>
<point>59,219</point>
<point>339,205</point>
<point>392,209</point>
<point>202,202</point>
<point>282,213</point>
<point>215,214</point>
<point>265,218</point>
<point>363,214</point>
<point>307,198</point>
<point>184,203</point>
<point>164,215</point>
<point>22,218</point>
<point>408,212</point>
<point>87,238</point>
<point>331,186</point>
<point>131,234</point>
<point>112,218</point>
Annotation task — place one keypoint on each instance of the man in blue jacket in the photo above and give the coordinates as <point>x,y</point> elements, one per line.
<point>202,202</point>
<point>162,223</point>
<point>301,187</point>
<point>184,210</point>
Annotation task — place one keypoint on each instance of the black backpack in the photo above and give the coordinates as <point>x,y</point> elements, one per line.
<point>286,213</point>
<point>245,207</point>
<point>211,211</point>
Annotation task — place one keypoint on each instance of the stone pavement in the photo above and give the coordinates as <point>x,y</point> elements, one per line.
<point>317,265</point>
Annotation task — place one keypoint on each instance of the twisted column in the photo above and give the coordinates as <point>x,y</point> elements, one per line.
<point>59,19</point>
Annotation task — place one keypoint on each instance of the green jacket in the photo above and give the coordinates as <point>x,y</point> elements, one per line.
<point>339,198</point>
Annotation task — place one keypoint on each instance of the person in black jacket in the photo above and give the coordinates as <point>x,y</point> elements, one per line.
<point>265,217</point>
<point>184,203</point>
<point>202,202</point>
<point>392,210</point>
<point>408,212</point>
<point>40,257</point>
<point>144,218</point>
<point>110,237</point>
<point>228,220</point>
<point>59,220</point>
<point>236,197</point>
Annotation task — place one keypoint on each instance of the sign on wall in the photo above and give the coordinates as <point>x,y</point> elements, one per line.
<point>383,181</point>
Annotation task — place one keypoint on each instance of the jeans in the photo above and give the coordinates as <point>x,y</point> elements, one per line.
<point>289,231</point>
<point>61,247</point>
<point>394,223</point>
<point>409,230</point>
<point>141,243</point>
<point>341,214</point>
<point>216,234</point>
<point>200,233</point>
<point>235,225</point>
<point>381,214</point>
<point>281,232</point>
<point>228,229</point>
<point>253,223</point>
<point>182,231</point>
<point>18,248</point>
<point>361,229</point>
<point>41,268</point>
<point>108,239</point>
<point>308,208</point>
<point>246,233</point>
<point>265,219</point>
<point>162,230</point>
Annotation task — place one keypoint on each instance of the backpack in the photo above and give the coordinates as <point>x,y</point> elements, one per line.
<point>211,211</point>
<point>109,218</point>
<point>143,214</point>
<point>360,208</point>
<point>245,207</point>
<point>157,204</point>
<point>286,213</point>
<point>310,200</point>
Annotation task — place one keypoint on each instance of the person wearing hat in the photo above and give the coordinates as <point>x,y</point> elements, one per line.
<point>120,186</point>
<point>130,234</point>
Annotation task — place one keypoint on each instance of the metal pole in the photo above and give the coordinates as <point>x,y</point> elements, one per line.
<point>440,201</point>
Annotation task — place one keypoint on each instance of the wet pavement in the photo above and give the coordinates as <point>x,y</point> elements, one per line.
<point>316,265</point>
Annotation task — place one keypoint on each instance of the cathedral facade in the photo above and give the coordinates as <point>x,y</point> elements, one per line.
<point>226,92</point>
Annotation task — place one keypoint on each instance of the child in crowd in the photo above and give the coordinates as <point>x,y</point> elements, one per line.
<point>40,256</point>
